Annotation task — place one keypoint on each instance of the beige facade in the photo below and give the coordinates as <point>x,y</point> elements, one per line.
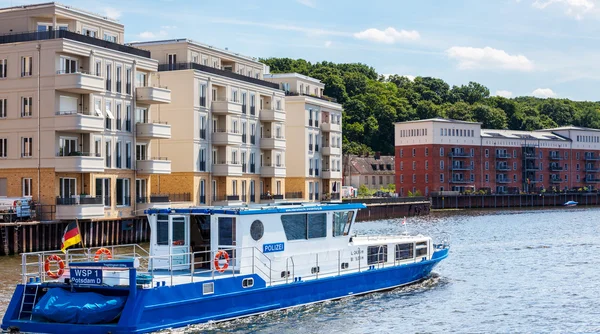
<point>228,143</point>
<point>314,121</point>
<point>79,113</point>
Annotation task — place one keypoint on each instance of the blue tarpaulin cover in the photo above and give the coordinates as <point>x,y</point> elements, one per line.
<point>59,305</point>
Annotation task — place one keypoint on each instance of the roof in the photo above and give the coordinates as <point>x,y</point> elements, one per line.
<point>57,4</point>
<point>365,165</point>
<point>515,134</point>
<point>441,120</point>
<point>202,45</point>
<point>260,209</point>
<point>292,75</point>
<point>570,127</point>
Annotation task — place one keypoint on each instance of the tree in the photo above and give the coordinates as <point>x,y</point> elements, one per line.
<point>471,93</point>
<point>460,111</point>
<point>427,109</point>
<point>491,118</point>
<point>560,111</point>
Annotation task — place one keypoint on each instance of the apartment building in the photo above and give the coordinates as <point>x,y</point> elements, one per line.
<point>374,172</point>
<point>77,108</point>
<point>228,143</point>
<point>450,155</point>
<point>314,121</point>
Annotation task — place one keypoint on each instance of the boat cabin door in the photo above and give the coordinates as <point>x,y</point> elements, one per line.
<point>171,244</point>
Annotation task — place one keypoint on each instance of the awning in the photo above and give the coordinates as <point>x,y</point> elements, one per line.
<point>109,114</point>
<point>99,112</point>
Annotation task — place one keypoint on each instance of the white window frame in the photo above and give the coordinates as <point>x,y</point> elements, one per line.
<point>26,186</point>
<point>26,66</point>
<point>3,148</point>
<point>3,68</point>
<point>26,147</point>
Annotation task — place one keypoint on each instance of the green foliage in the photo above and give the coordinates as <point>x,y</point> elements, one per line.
<point>363,191</point>
<point>417,193</point>
<point>373,103</point>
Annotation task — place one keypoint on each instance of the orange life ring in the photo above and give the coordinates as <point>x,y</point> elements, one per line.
<point>103,251</point>
<point>218,257</point>
<point>61,266</point>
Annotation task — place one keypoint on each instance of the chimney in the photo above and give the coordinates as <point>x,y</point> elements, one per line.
<point>377,155</point>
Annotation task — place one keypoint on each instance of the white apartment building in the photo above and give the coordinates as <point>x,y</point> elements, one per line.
<point>228,143</point>
<point>314,121</point>
<point>77,106</point>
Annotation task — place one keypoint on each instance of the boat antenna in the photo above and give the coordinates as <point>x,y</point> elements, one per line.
<point>404,224</point>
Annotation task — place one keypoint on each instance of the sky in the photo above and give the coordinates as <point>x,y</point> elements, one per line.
<point>544,48</point>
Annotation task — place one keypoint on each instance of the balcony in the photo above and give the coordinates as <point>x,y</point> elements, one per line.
<point>155,130</point>
<point>323,97</point>
<point>217,71</point>
<point>460,167</point>
<point>555,168</point>
<point>330,174</point>
<point>268,115</point>
<point>460,181</point>
<point>331,127</point>
<point>554,157</point>
<point>530,156</point>
<point>272,171</point>
<point>271,198</point>
<point>459,155</point>
<point>226,168</point>
<point>592,180</point>
<point>272,143</point>
<point>502,168</point>
<point>329,150</point>
<point>153,95</point>
<point>591,157</point>
<point>556,180</point>
<point>592,169</point>
<point>79,207</point>
<point>531,168</point>
<point>503,156</point>
<point>79,162</point>
<point>503,180</point>
<point>226,107</point>
<point>78,83</point>
<point>294,195</point>
<point>157,165</point>
<point>73,121</point>
<point>223,137</point>
<point>226,200</point>
<point>162,201</point>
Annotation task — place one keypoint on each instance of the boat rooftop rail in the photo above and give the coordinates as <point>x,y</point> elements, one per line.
<point>258,208</point>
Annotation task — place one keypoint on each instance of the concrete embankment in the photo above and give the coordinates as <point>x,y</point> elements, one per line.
<point>387,208</point>
<point>513,201</point>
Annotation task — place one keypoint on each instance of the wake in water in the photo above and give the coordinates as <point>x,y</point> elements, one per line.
<point>330,310</point>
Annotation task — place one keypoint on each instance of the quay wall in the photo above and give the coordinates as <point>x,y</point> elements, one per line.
<point>388,208</point>
<point>512,201</point>
<point>23,237</point>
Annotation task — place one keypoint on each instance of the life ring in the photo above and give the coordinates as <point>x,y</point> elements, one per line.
<point>103,251</point>
<point>61,266</point>
<point>218,257</point>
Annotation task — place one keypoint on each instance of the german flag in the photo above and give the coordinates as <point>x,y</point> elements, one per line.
<point>71,237</point>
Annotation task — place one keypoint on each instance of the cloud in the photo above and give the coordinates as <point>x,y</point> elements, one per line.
<point>543,93</point>
<point>574,8</point>
<point>387,36</point>
<point>307,3</point>
<point>470,58</point>
<point>151,35</point>
<point>504,93</point>
<point>327,44</point>
<point>409,77</point>
<point>112,13</point>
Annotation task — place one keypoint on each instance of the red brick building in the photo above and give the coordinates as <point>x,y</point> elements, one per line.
<point>449,155</point>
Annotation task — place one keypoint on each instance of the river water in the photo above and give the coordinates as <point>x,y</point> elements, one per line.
<point>534,270</point>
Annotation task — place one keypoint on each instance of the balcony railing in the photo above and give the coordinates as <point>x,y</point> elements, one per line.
<point>118,88</point>
<point>217,71</point>
<point>459,154</point>
<point>556,180</point>
<point>325,98</point>
<point>503,155</point>
<point>226,198</point>
<point>252,198</point>
<point>555,168</point>
<point>335,196</point>
<point>108,84</point>
<point>293,195</point>
<point>79,200</point>
<point>310,147</point>
<point>244,138</point>
<point>554,157</point>
<point>54,34</point>
<point>244,168</point>
<point>252,110</point>
<point>503,167</point>
<point>244,109</point>
<point>269,196</point>
<point>61,153</point>
<point>591,157</point>
<point>164,198</point>
<point>460,167</point>
<point>128,88</point>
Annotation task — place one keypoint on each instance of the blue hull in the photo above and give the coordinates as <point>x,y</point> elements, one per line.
<point>180,305</point>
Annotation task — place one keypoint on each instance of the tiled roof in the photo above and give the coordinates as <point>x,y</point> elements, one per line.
<point>365,165</point>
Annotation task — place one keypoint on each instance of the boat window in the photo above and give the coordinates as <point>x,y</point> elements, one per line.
<point>404,251</point>
<point>208,288</point>
<point>226,231</point>
<point>304,226</point>
<point>344,265</point>
<point>421,248</point>
<point>162,232</point>
<point>317,226</point>
<point>178,231</point>
<point>377,254</point>
<point>257,230</point>
<point>294,226</point>
<point>341,222</point>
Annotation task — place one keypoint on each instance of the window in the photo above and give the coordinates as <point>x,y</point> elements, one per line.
<point>3,68</point>
<point>487,153</point>
<point>414,152</point>
<point>426,178</point>
<point>202,94</point>
<point>514,166</point>
<point>421,248</point>
<point>442,164</point>
<point>401,165</point>
<point>128,80</point>
<point>67,146</point>
<point>404,252</point>
<point>487,177</point>
<point>108,156</point>
<point>89,32</point>
<point>426,164</point>
<point>68,187</point>
<point>472,177</point>
<point>441,177</point>
<point>26,66</point>
<point>128,155</point>
<point>577,167</point>
<point>26,187</point>
<point>414,165</point>
<point>26,106</point>
<point>128,117</point>
<point>3,107</point>
<point>109,115</point>
<point>119,117</point>
<point>123,198</point>
<point>119,152</point>
<point>472,152</point>
<point>441,151</point>
<point>110,38</point>
<point>68,65</point>
<point>27,147</point>
<point>414,177</point>
<point>487,165</point>
<point>119,74</point>
<point>108,77</point>
<point>140,79</point>
<point>401,178</point>
<point>401,153</point>
<point>426,151</point>
<point>376,254</point>
<point>304,226</point>
<point>3,147</point>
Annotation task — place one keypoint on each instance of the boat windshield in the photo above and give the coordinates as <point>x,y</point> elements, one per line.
<point>341,223</point>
